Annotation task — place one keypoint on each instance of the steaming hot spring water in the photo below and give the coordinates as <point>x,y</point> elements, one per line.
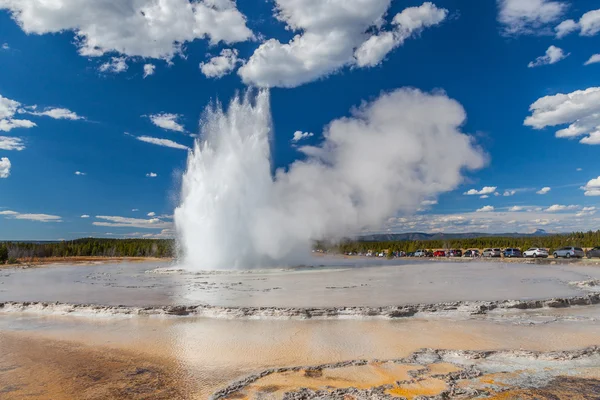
<point>234,319</point>
<point>386,158</point>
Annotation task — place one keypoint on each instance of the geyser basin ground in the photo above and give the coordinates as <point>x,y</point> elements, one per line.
<point>60,353</point>
<point>339,283</point>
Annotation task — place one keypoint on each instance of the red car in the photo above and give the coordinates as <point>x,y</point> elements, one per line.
<point>439,253</point>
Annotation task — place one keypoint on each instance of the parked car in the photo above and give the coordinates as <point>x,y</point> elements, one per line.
<point>568,252</point>
<point>471,253</point>
<point>410,254</point>
<point>439,253</point>
<point>455,253</point>
<point>429,254</point>
<point>492,253</point>
<point>535,252</point>
<point>595,252</point>
<point>512,253</point>
<point>421,253</point>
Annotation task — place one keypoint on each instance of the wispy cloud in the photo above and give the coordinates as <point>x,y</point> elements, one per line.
<point>553,55</point>
<point>57,113</point>
<point>167,121</point>
<point>30,217</point>
<point>116,65</point>
<point>124,222</point>
<point>11,143</point>
<point>160,142</point>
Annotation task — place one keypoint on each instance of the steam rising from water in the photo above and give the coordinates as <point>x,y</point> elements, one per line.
<point>386,158</point>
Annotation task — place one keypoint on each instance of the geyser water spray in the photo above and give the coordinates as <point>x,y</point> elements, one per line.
<point>384,159</point>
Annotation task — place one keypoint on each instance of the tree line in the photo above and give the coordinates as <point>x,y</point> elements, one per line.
<point>551,242</point>
<point>166,248</point>
<point>90,247</point>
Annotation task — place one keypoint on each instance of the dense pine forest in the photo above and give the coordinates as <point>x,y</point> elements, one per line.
<point>87,248</point>
<point>13,251</point>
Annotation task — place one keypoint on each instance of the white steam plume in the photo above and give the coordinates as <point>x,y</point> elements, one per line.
<point>390,155</point>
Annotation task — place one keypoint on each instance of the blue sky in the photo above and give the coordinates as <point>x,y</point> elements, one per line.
<point>84,130</point>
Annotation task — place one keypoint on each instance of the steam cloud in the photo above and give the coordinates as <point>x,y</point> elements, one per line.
<point>389,156</point>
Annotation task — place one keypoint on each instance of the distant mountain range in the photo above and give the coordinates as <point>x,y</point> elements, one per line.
<point>419,236</point>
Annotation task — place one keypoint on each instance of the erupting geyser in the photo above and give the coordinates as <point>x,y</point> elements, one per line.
<point>384,159</point>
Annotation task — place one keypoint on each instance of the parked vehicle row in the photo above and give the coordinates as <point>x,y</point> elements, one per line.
<point>533,252</point>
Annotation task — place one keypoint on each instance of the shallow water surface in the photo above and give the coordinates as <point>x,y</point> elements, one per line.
<point>343,283</point>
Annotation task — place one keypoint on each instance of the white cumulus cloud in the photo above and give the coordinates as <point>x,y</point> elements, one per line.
<point>565,28</point>
<point>116,65</point>
<point>586,211</point>
<point>560,207</point>
<point>411,21</point>
<point>299,135</point>
<point>482,192</point>
<point>510,192</point>
<point>221,65</point>
<point>5,166</point>
<point>331,35</point>
<point>167,121</point>
<point>144,28</point>
<point>594,59</point>
<point>11,143</point>
<point>588,25</point>
<point>526,17</point>
<point>8,109</point>
<point>544,190</point>
<point>85,216</point>
<point>592,188</point>
<point>79,173</point>
<point>151,175</point>
<point>485,209</point>
<point>553,55</point>
<point>579,109</point>
<point>149,70</point>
